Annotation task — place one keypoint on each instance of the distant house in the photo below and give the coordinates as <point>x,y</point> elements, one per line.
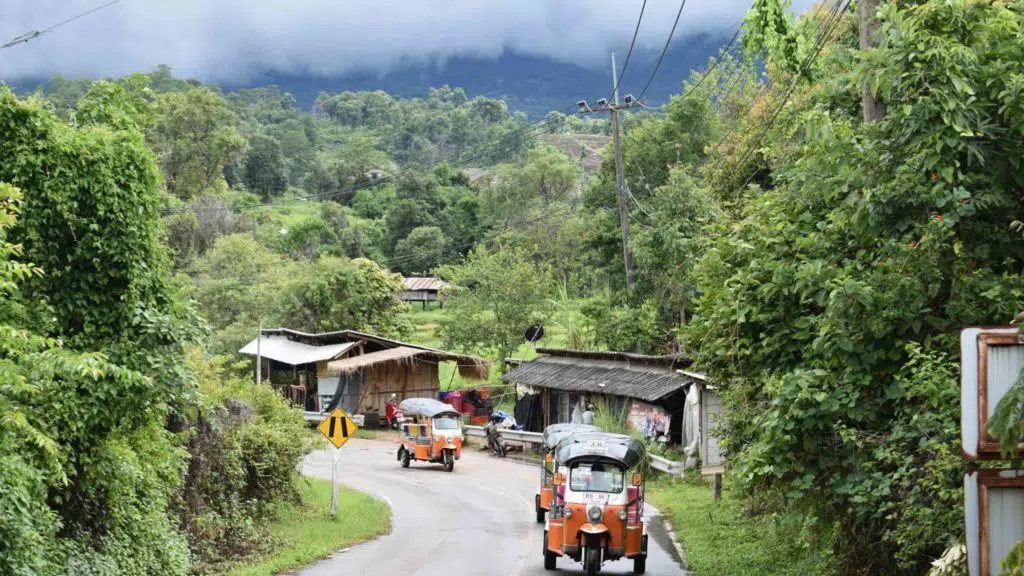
<point>651,392</point>
<point>353,370</point>
<point>423,290</point>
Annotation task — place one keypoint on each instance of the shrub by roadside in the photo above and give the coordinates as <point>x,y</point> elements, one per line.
<point>720,540</point>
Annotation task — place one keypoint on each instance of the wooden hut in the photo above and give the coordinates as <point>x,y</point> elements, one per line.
<point>423,290</point>
<point>354,370</point>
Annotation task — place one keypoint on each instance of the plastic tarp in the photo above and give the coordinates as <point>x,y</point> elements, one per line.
<point>528,413</point>
<point>691,425</point>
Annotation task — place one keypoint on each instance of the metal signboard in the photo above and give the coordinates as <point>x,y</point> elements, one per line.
<point>991,361</point>
<point>338,428</point>
<point>994,510</point>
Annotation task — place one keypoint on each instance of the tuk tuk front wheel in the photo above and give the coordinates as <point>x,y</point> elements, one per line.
<point>639,564</point>
<point>540,511</point>
<point>405,458</point>
<point>449,461</point>
<point>592,561</point>
<point>549,557</point>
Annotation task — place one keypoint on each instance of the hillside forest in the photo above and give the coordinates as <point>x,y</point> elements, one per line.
<point>817,267</point>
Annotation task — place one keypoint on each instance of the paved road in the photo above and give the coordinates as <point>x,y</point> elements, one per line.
<point>476,520</point>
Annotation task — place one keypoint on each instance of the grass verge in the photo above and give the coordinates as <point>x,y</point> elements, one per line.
<point>305,533</point>
<point>719,540</point>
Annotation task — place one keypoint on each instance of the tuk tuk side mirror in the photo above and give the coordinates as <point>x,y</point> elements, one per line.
<point>549,458</point>
<point>638,479</point>
<point>557,479</point>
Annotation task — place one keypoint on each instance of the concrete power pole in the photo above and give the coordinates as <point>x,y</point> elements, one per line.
<point>620,177</point>
<point>874,109</point>
<point>259,355</point>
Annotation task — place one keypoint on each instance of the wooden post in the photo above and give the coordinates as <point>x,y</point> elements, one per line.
<point>716,486</point>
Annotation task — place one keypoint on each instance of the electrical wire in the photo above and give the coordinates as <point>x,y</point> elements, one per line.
<point>33,34</point>
<point>663,51</point>
<point>632,43</point>
<point>832,20</point>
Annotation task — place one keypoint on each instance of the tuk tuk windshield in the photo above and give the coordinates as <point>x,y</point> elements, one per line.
<point>446,423</point>
<point>596,477</point>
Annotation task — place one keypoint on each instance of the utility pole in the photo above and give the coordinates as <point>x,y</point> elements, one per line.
<point>259,356</point>
<point>620,174</point>
<point>874,109</point>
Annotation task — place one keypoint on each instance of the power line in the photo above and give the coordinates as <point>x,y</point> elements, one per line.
<point>33,34</point>
<point>832,20</point>
<point>632,43</point>
<point>663,50</point>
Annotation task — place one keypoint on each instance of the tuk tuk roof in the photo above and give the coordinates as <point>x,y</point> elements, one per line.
<point>554,433</point>
<point>428,408</point>
<point>623,449</point>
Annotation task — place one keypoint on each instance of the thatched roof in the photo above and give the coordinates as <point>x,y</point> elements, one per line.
<point>647,378</point>
<point>469,366</point>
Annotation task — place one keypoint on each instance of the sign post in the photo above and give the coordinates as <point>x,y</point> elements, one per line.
<point>338,427</point>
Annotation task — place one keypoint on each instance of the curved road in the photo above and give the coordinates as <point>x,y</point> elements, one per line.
<point>478,519</point>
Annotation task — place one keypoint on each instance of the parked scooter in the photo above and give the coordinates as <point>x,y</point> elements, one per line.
<point>495,443</point>
<point>393,414</point>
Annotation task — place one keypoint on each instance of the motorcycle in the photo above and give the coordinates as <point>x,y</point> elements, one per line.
<point>495,444</point>
<point>397,419</point>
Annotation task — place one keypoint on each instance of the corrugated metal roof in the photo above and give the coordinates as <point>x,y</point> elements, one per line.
<point>612,377</point>
<point>281,349</point>
<point>424,284</point>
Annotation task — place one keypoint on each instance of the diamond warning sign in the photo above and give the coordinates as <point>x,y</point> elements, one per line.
<point>338,428</point>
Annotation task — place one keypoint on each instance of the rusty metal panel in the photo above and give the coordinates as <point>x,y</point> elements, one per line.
<point>1005,523</point>
<point>1004,366</point>
<point>994,514</point>
<point>991,360</point>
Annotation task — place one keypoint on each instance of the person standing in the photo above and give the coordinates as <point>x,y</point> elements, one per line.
<point>588,414</point>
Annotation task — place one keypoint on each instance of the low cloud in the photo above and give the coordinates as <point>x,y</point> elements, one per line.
<point>228,40</point>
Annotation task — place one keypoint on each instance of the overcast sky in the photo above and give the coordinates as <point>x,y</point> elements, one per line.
<point>224,40</point>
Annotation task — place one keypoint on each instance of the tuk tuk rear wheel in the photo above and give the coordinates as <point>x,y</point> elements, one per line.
<point>549,557</point>
<point>405,458</point>
<point>592,561</point>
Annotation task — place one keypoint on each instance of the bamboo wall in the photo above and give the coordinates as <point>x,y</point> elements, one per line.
<point>405,379</point>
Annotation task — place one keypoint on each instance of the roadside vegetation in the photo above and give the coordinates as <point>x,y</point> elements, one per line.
<point>303,532</point>
<point>724,538</point>
<point>816,267</point>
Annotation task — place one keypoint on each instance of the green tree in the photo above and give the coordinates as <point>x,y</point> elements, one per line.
<point>90,225</point>
<point>334,294</point>
<point>500,294</point>
<point>194,136</point>
<point>828,308</point>
<point>421,251</point>
<point>265,170</point>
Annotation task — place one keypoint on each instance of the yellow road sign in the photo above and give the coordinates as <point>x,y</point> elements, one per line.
<point>338,428</point>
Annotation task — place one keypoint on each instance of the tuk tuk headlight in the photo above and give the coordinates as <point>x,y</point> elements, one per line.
<point>622,514</point>
<point>568,512</point>
<point>595,513</point>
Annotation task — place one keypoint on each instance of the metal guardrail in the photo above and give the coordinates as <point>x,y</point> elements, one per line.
<point>668,466</point>
<point>657,462</point>
<point>318,417</point>
<point>514,435</point>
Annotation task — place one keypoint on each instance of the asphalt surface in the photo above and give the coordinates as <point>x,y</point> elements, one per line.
<point>478,519</point>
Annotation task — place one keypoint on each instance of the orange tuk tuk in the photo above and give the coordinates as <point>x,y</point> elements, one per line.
<point>553,434</point>
<point>598,511</point>
<point>432,432</point>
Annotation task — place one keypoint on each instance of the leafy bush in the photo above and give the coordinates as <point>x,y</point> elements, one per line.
<point>245,444</point>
